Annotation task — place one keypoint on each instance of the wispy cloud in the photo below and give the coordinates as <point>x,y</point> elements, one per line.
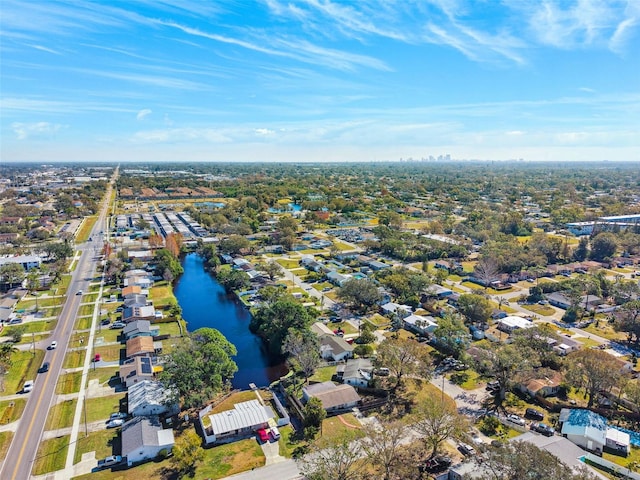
<point>143,113</point>
<point>45,49</point>
<point>24,131</point>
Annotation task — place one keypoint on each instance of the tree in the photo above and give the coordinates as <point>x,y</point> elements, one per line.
<point>476,308</point>
<point>165,260</point>
<point>452,335</point>
<point>58,250</point>
<point>314,413</point>
<point>199,367</point>
<point>603,246</point>
<point>403,357</point>
<point>303,349</point>
<point>11,274</point>
<point>6,352</point>
<point>519,460</point>
<point>16,333</point>
<point>593,370</point>
<point>361,294</point>
<point>582,250</point>
<point>627,320</point>
<point>272,269</point>
<point>486,270</point>
<point>233,280</point>
<point>382,445</point>
<point>274,321</point>
<point>336,458</point>
<point>33,283</point>
<point>187,453</point>
<point>233,244</point>
<point>438,420</point>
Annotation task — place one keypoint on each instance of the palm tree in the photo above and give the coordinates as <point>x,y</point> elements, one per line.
<point>6,351</point>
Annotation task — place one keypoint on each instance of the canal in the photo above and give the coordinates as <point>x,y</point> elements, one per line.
<point>205,303</point>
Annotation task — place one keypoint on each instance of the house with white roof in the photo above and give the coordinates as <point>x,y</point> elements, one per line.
<point>512,322</point>
<point>149,398</point>
<point>420,324</point>
<point>241,421</point>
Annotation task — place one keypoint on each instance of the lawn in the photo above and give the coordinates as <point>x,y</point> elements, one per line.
<point>323,374</point>
<point>61,415</point>
<point>86,309</point>
<point>103,374</point>
<point>288,263</point>
<point>69,383</point>
<point>341,245</point>
<point>5,442</point>
<point>33,327</point>
<point>346,327</point>
<point>99,408</point>
<point>107,335</point>
<point>468,379</point>
<point>225,460</point>
<point>74,359</point>
<point>604,330</point>
<point>83,323</point>
<point>169,328</point>
<point>100,442</point>
<point>25,367</point>
<point>109,353</point>
<point>543,310</point>
<point>229,402</point>
<point>333,426</point>
<point>10,411</point>
<point>51,456</point>
<point>85,229</point>
<point>379,321</point>
<point>42,302</point>
<point>162,294</point>
<point>286,444</point>
<point>633,457</point>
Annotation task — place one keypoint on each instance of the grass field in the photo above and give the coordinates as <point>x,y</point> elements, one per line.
<point>103,374</point>
<point>286,445</point>
<point>10,411</point>
<point>323,374</point>
<point>543,310</point>
<point>169,328</point>
<point>51,455</point>
<point>333,426</point>
<point>5,442</point>
<point>162,294</point>
<point>100,442</point>
<point>346,327</point>
<point>69,383</point>
<point>85,229</point>
<point>379,321</point>
<point>25,367</point>
<point>109,353</point>
<point>288,263</point>
<point>83,323</point>
<point>34,327</point>
<point>99,408</point>
<point>61,415</point>
<point>74,359</point>
<point>225,460</point>
<point>229,402</point>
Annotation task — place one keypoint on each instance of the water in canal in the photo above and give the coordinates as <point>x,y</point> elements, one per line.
<point>205,303</point>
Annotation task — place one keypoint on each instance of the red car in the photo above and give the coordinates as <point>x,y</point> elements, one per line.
<point>97,358</point>
<point>263,435</point>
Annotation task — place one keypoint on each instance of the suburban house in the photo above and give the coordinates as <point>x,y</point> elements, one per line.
<point>559,299</point>
<point>338,278</point>
<point>543,386</point>
<point>136,300</point>
<point>244,419</point>
<point>137,369</point>
<point>149,398</point>
<point>139,313</point>
<point>589,430</point>
<point>333,397</point>
<point>127,292</point>
<point>335,348</point>
<point>564,346</point>
<point>391,309</point>
<point>142,347</point>
<point>420,324</point>
<point>143,438</point>
<point>139,328</point>
<point>356,372</point>
<point>439,291</point>
<point>510,323</point>
<point>142,280</point>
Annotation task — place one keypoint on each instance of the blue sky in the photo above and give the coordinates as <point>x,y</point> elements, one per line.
<point>319,80</point>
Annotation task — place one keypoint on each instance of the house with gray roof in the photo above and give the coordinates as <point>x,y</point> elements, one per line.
<point>149,398</point>
<point>136,300</point>
<point>143,438</point>
<point>241,421</point>
<point>333,397</point>
<point>334,347</point>
<point>356,372</point>
<point>139,328</point>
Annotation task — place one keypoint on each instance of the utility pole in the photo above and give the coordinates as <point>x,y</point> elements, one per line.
<point>33,342</point>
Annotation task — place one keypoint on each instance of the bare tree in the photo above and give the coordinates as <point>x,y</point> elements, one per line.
<point>382,445</point>
<point>337,458</point>
<point>403,357</point>
<point>437,421</point>
<point>303,351</point>
<point>486,270</point>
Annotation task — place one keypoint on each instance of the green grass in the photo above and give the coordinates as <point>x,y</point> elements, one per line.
<point>25,367</point>
<point>604,330</point>
<point>86,309</point>
<point>543,310</point>
<point>74,359</point>
<point>379,321</point>
<point>11,410</point>
<point>83,323</point>
<point>5,442</point>
<point>61,415</point>
<point>100,442</point>
<point>51,456</point>
<point>99,408</point>
<point>225,460</point>
<point>333,427</point>
<point>109,353</point>
<point>34,327</point>
<point>108,335</point>
<point>323,374</point>
<point>286,444</point>
<point>346,327</point>
<point>288,263</point>
<point>42,302</point>
<point>85,229</point>
<point>341,245</point>
<point>30,338</point>
<point>103,374</point>
<point>169,328</point>
<point>162,294</point>
<point>468,379</point>
<point>69,383</point>
<point>228,403</point>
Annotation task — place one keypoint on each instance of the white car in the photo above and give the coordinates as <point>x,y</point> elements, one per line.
<point>116,422</point>
<point>28,386</point>
<point>53,345</point>
<point>512,417</point>
<point>466,449</point>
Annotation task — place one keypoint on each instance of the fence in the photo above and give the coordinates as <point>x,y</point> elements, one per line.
<point>616,469</point>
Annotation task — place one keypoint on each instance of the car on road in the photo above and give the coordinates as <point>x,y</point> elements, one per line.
<point>118,415</point>
<point>53,345</point>
<point>263,435</point>
<point>28,386</point>
<point>44,368</point>
<point>517,419</point>
<point>534,414</point>
<point>543,428</point>
<point>79,292</point>
<point>109,461</point>
<point>116,422</point>
<point>466,449</point>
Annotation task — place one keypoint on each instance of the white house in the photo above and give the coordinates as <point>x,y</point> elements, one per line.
<point>334,347</point>
<point>149,398</point>
<point>26,261</point>
<point>143,438</point>
<point>357,373</point>
<point>244,419</point>
<point>391,308</point>
<point>584,428</point>
<point>512,322</point>
<point>420,324</point>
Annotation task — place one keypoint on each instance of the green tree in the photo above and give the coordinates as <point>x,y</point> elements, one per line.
<point>403,357</point>
<point>272,269</point>
<point>313,413</point>
<point>233,244</point>
<point>187,453</point>
<point>303,350</point>
<point>593,370</point>
<point>452,335</point>
<point>6,352</point>
<point>361,294</point>
<point>233,280</point>
<point>582,250</point>
<point>476,308</point>
<point>11,274</point>
<point>199,367</point>
<point>603,246</point>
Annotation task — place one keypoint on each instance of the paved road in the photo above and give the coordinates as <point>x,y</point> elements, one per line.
<point>24,447</point>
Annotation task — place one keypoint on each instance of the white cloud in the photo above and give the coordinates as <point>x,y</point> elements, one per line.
<point>24,131</point>
<point>264,132</point>
<point>143,113</point>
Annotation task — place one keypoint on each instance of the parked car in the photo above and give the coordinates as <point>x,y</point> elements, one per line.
<point>117,325</point>
<point>263,435</point>
<point>534,414</point>
<point>97,358</point>
<point>543,428</point>
<point>53,345</point>
<point>466,449</point>
<point>116,422</point>
<point>275,433</point>
<point>117,415</point>
<point>105,322</point>
<point>44,368</point>
<point>435,464</point>
<point>28,386</point>
<point>517,419</point>
<point>109,461</point>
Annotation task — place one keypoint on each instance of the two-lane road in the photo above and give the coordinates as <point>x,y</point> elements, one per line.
<point>24,446</point>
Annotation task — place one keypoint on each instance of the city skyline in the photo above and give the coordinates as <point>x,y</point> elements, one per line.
<point>319,81</point>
